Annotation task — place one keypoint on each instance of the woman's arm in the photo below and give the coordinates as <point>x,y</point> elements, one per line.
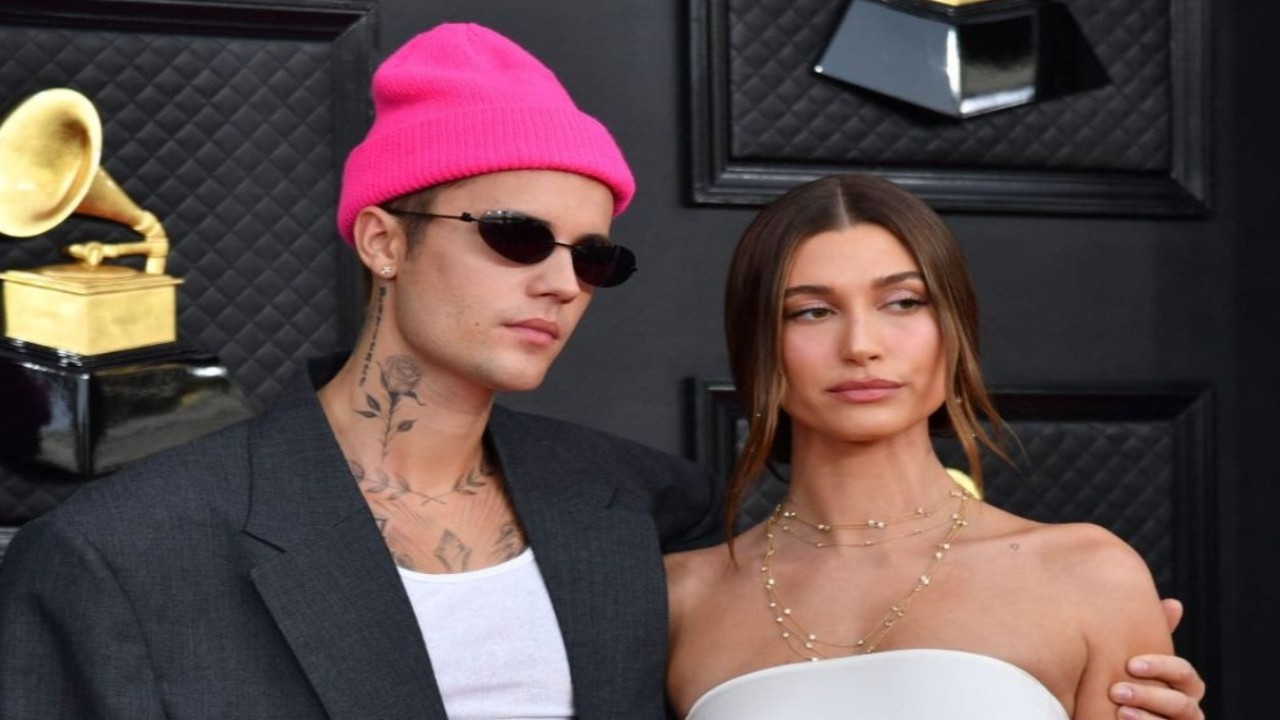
<point>1179,701</point>
<point>1120,617</point>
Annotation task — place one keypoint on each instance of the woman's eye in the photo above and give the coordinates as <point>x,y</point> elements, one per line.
<point>809,313</point>
<point>907,303</point>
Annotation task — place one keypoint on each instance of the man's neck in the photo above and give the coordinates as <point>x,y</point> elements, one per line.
<point>404,424</point>
<point>415,449</point>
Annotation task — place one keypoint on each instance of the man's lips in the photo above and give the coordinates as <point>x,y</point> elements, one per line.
<point>537,330</point>
<point>869,390</point>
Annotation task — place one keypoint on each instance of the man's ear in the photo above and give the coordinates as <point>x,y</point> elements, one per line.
<point>379,240</point>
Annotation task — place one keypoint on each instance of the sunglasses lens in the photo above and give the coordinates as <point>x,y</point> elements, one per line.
<point>603,264</point>
<point>528,241</point>
<point>522,240</point>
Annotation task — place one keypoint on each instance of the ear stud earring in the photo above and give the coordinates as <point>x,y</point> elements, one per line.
<point>386,271</point>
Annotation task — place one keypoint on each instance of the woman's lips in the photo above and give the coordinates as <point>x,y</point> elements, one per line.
<point>864,391</point>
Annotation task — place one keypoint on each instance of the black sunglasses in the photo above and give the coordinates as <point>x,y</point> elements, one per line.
<point>528,241</point>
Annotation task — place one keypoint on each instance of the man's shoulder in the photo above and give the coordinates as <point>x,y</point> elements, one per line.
<point>682,496</point>
<point>546,425</point>
<point>210,463</point>
<point>543,431</point>
<point>172,471</point>
<point>193,483</point>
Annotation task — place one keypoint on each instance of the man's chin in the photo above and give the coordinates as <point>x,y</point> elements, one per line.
<point>524,384</point>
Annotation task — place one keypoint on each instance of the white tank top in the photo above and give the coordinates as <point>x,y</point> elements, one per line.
<point>494,642</point>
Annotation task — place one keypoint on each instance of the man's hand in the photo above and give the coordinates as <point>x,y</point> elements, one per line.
<point>1179,701</point>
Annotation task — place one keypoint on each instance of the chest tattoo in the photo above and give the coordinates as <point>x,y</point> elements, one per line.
<point>441,531</point>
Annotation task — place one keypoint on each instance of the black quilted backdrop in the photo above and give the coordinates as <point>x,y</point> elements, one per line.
<point>233,141</point>
<point>780,110</point>
<point>1115,474</point>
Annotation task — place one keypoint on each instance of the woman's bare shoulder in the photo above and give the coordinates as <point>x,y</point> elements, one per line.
<point>1078,555</point>
<point>1087,557</point>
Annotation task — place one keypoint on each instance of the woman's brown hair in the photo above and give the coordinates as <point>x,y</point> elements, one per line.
<point>753,310</point>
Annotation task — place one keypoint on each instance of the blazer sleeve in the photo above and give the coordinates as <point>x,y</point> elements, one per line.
<point>691,514</point>
<point>71,644</point>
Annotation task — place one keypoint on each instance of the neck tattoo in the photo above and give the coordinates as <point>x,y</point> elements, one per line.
<point>805,643</point>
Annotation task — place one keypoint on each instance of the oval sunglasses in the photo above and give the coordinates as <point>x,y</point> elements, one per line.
<point>529,241</point>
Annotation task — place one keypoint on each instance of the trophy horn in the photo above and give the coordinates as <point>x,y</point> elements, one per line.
<point>50,149</point>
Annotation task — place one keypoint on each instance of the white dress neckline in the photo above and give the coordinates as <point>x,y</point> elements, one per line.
<point>962,669</point>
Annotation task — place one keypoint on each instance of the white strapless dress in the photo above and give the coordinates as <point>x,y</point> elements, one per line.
<point>918,684</point>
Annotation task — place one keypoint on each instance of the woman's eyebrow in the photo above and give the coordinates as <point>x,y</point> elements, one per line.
<point>807,290</point>
<point>881,282</point>
<point>897,278</point>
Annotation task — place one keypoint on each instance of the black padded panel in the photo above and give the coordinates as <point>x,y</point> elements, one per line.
<point>1121,127</point>
<point>780,110</point>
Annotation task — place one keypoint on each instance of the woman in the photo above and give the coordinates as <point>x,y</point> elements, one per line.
<point>850,317</point>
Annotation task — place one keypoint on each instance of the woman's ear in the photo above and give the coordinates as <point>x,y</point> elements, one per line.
<point>380,242</point>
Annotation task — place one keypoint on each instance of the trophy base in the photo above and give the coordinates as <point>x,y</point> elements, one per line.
<point>95,315</point>
<point>69,418</point>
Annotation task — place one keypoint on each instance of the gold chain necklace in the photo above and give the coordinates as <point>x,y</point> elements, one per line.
<point>790,513</point>
<point>827,542</point>
<point>825,532</point>
<point>807,644</point>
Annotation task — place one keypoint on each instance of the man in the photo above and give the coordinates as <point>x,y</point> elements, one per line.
<point>302,564</point>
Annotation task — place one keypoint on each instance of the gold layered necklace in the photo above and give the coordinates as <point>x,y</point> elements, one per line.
<point>807,644</point>
<point>822,535</point>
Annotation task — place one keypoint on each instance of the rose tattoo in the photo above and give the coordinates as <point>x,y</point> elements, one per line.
<point>399,377</point>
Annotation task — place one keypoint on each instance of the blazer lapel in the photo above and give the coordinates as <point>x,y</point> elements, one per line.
<point>601,564</point>
<point>333,590</point>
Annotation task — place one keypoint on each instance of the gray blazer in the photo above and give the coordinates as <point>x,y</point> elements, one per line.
<point>242,576</point>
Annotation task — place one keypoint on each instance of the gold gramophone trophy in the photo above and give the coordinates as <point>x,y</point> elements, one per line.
<point>50,147</point>
<point>91,373</point>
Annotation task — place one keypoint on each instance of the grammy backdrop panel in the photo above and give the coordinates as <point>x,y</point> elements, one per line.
<point>1121,128</point>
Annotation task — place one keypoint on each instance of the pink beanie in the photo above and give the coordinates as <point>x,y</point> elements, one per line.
<point>461,100</point>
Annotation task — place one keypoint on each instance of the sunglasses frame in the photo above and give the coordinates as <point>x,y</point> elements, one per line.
<point>585,255</point>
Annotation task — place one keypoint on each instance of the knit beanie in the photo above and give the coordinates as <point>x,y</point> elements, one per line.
<point>461,100</point>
